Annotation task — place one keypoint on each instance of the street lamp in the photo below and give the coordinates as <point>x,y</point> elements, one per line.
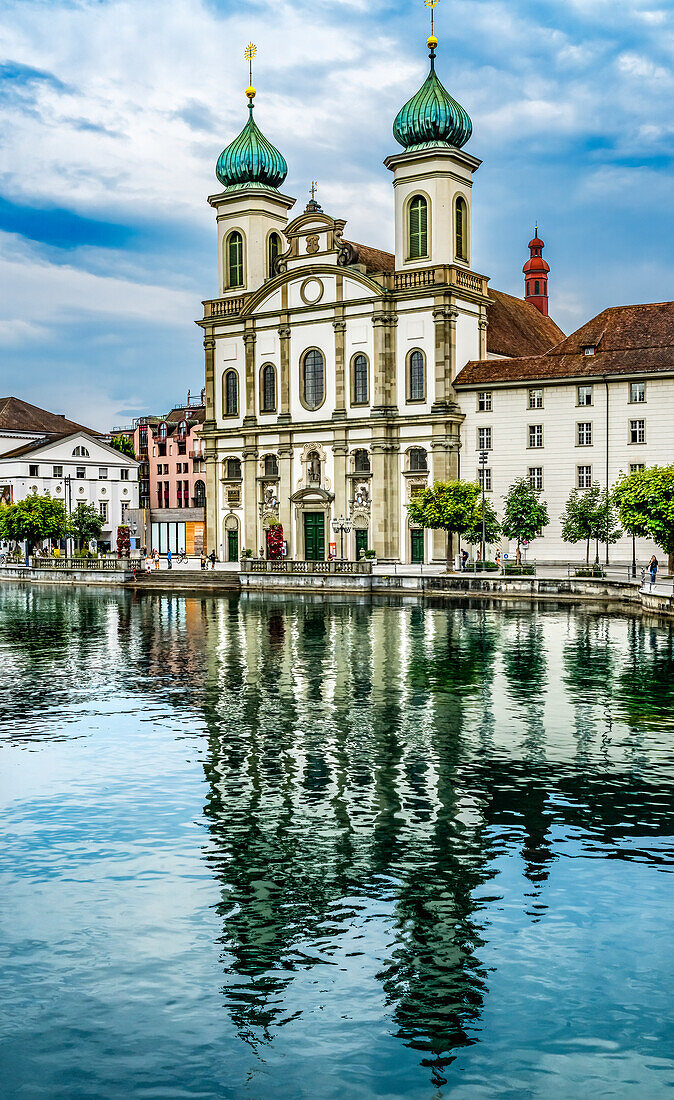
<point>484,455</point>
<point>342,524</point>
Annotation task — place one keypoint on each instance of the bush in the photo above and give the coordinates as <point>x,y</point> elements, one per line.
<point>590,571</point>
<point>511,569</point>
<point>481,567</point>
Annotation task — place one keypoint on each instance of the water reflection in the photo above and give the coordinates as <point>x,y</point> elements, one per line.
<point>378,779</point>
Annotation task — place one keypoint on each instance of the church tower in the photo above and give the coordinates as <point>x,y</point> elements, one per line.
<point>536,275</point>
<point>251,211</point>
<point>432,178</point>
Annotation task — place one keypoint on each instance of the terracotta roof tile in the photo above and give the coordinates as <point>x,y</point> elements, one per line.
<point>518,328</point>
<point>627,340</point>
<point>376,262</point>
<point>18,416</point>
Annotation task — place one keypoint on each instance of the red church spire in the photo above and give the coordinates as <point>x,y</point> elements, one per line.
<point>536,275</point>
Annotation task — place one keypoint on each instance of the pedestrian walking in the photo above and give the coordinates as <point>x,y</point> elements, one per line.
<point>203,560</point>
<point>156,559</point>
<point>653,568</point>
<point>169,558</point>
<point>212,556</point>
<point>464,560</point>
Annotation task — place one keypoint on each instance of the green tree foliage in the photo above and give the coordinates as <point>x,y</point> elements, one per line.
<point>446,506</point>
<point>86,523</point>
<point>645,503</point>
<point>605,524</point>
<point>124,444</point>
<point>492,527</point>
<point>578,515</point>
<point>524,513</point>
<point>33,520</point>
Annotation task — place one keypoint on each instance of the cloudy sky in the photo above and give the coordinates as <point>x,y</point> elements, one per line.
<point>113,113</point>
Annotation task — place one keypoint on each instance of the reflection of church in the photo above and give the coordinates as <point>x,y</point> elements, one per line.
<point>330,364</point>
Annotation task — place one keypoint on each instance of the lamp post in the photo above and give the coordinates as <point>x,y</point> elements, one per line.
<point>484,455</point>
<point>342,524</point>
<point>68,483</point>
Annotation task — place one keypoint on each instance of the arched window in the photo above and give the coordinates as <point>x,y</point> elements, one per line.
<point>230,393</point>
<point>233,467</point>
<point>80,452</point>
<point>359,395</point>
<point>181,430</point>
<point>416,376</point>
<point>361,462</point>
<point>418,460</point>
<point>314,468</point>
<point>162,431</point>
<point>313,379</point>
<point>235,259</point>
<point>199,494</point>
<point>268,388</point>
<point>418,228</point>
<point>270,466</point>
<point>461,228</point>
<point>275,249</point>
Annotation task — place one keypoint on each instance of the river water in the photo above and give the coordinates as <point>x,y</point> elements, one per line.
<point>292,848</point>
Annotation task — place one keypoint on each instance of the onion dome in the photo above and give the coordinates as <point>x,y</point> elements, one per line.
<point>251,160</point>
<point>432,117</point>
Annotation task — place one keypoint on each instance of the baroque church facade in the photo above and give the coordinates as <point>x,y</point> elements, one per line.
<point>330,365</point>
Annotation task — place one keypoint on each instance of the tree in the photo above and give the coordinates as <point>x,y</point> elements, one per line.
<point>577,517</point>
<point>87,523</point>
<point>446,506</point>
<point>34,519</point>
<point>492,527</point>
<point>124,444</point>
<point>524,514</point>
<point>605,527</point>
<point>645,503</point>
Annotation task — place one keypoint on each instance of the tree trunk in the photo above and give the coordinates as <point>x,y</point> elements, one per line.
<point>587,551</point>
<point>449,552</point>
<point>670,562</point>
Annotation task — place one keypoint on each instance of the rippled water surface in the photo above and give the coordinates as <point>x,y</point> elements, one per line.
<point>305,849</point>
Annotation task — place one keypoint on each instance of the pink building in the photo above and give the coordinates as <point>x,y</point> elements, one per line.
<point>172,476</point>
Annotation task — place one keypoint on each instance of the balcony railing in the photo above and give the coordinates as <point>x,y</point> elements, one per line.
<point>258,565</point>
<point>222,307</point>
<point>438,276</point>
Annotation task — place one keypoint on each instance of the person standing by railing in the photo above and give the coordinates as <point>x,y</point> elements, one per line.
<point>653,569</point>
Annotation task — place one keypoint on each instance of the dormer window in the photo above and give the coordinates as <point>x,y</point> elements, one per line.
<point>181,430</point>
<point>589,349</point>
<point>162,432</point>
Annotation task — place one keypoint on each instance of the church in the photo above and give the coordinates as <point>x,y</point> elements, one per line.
<point>330,365</point>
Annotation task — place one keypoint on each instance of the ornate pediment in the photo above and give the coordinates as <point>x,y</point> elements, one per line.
<point>314,236</point>
<point>312,495</point>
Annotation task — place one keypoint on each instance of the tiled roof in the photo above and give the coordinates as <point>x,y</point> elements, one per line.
<point>376,262</point>
<point>518,328</point>
<point>18,416</point>
<point>627,340</point>
<point>195,414</point>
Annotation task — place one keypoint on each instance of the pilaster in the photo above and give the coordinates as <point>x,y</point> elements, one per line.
<point>284,337</point>
<point>285,470</point>
<point>250,457</point>
<point>339,325</point>
<point>340,451</point>
<point>385,396</point>
<point>212,502</point>
<point>385,448</point>
<point>483,325</point>
<point>209,356</point>
<point>445,444</point>
<point>249,340</point>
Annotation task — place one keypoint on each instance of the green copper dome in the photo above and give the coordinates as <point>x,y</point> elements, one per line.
<point>251,160</point>
<point>432,117</point>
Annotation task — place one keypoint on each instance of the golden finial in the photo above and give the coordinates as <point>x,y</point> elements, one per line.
<point>314,189</point>
<point>249,54</point>
<point>432,41</point>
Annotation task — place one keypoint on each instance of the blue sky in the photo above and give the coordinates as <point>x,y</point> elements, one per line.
<point>113,113</point>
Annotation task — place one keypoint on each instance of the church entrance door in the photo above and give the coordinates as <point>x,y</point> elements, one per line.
<point>361,541</point>
<point>314,536</point>
<point>417,536</point>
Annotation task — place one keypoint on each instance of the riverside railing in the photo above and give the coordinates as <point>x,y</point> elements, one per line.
<point>323,568</point>
<point>112,565</point>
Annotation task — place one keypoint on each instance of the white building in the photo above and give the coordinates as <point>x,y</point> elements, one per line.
<point>329,364</point>
<point>43,453</point>
<point>599,404</point>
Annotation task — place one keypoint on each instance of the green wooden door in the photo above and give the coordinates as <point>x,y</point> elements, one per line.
<point>361,541</point>
<point>314,536</point>
<point>417,545</point>
<point>232,545</point>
